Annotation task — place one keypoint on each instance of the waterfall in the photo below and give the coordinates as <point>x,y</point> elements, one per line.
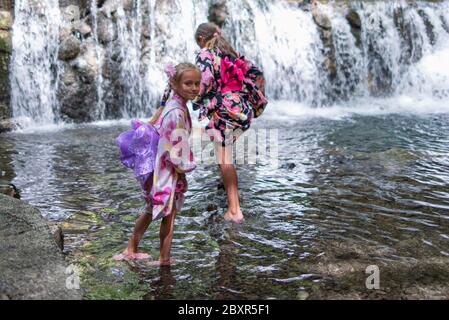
<point>34,63</point>
<point>100,108</point>
<point>268,33</point>
<point>396,49</point>
<point>144,56</point>
<point>428,77</point>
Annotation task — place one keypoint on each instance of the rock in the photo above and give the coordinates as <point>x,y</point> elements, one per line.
<point>218,13</point>
<point>354,19</point>
<point>5,20</point>
<point>83,28</point>
<point>58,236</point>
<point>78,101</point>
<point>69,48</point>
<point>289,166</point>
<point>429,26</point>
<point>110,7</point>
<point>331,67</point>
<point>105,30</point>
<point>77,93</point>
<point>100,3</point>
<point>86,63</point>
<point>69,76</point>
<point>65,32</point>
<point>211,207</point>
<point>9,190</point>
<point>128,4</point>
<point>302,295</point>
<point>146,30</point>
<point>5,42</point>
<point>4,110</point>
<point>299,3</point>
<point>33,266</point>
<point>320,18</point>
<point>7,125</point>
<point>70,13</point>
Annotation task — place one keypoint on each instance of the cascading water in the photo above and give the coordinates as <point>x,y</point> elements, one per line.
<point>428,78</point>
<point>395,47</point>
<point>34,63</point>
<point>349,62</point>
<point>129,32</point>
<point>143,51</point>
<point>393,53</point>
<point>268,33</point>
<point>99,55</point>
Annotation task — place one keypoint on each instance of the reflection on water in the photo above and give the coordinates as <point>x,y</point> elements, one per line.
<point>348,193</point>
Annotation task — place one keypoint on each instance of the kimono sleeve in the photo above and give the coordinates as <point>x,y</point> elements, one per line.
<point>256,75</point>
<point>205,62</point>
<point>176,142</point>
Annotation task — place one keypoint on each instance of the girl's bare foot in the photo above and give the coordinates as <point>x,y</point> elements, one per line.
<point>129,255</point>
<point>234,217</point>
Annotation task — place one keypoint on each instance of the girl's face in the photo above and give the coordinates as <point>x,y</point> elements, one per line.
<point>188,86</point>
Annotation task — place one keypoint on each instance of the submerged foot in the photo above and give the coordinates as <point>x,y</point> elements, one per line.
<point>236,217</point>
<point>130,255</point>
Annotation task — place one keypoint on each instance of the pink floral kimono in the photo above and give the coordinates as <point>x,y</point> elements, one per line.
<point>174,156</point>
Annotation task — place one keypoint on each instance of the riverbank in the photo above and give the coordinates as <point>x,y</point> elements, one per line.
<point>31,265</point>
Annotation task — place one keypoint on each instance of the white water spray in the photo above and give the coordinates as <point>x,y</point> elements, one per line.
<point>34,63</point>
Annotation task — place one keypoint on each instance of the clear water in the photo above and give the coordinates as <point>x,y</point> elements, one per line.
<point>351,190</point>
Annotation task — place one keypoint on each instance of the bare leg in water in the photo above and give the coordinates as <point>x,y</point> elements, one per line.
<point>230,181</point>
<point>166,237</point>
<point>141,226</point>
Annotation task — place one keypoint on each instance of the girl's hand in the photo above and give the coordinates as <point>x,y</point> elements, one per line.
<point>181,185</point>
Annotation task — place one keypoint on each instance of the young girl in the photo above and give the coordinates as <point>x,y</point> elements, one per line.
<point>164,191</point>
<point>231,95</point>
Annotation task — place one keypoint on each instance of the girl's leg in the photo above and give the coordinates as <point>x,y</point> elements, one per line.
<point>141,226</point>
<point>230,181</point>
<point>166,237</point>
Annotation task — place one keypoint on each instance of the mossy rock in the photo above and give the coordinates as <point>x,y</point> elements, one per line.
<point>5,42</point>
<point>5,20</point>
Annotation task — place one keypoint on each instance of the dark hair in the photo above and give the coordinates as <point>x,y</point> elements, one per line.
<point>211,33</point>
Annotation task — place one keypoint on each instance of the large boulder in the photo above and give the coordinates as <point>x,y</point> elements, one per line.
<point>320,17</point>
<point>106,30</point>
<point>31,264</point>
<point>69,48</point>
<point>6,126</point>
<point>5,20</point>
<point>70,13</point>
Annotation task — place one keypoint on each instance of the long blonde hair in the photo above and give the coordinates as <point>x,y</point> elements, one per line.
<point>174,78</point>
<point>211,33</point>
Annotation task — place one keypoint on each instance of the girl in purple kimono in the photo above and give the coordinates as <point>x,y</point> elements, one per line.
<point>164,192</point>
<point>231,95</point>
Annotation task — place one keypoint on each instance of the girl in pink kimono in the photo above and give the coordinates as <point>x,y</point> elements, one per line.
<point>164,193</point>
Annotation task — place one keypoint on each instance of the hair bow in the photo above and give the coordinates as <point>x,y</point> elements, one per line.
<point>170,70</point>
